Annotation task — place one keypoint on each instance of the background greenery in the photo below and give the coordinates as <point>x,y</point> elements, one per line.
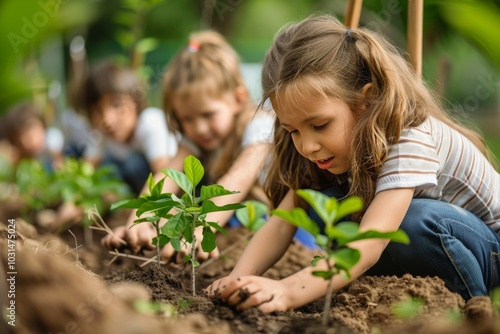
<point>461,57</point>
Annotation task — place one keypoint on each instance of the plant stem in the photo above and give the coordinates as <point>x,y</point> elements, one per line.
<point>328,302</point>
<point>158,258</point>
<point>193,257</point>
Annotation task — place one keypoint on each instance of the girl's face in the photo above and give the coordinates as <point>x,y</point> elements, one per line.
<point>321,131</point>
<point>206,120</point>
<point>116,116</point>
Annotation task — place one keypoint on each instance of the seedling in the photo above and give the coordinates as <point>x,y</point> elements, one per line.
<point>83,185</point>
<point>253,216</point>
<point>185,214</point>
<point>339,257</point>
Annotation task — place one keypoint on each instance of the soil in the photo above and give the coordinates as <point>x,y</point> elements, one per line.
<point>62,286</point>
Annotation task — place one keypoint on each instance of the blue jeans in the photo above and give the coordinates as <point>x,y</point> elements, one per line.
<point>446,241</point>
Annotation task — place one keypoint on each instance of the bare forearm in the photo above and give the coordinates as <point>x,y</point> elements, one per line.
<point>305,288</point>
<point>259,255</point>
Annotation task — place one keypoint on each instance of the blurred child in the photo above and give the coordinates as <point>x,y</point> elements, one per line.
<point>25,130</point>
<point>135,138</point>
<point>206,99</point>
<point>356,119</point>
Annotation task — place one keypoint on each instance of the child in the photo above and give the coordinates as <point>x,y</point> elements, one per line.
<point>353,115</point>
<point>24,129</point>
<point>206,100</point>
<point>135,139</point>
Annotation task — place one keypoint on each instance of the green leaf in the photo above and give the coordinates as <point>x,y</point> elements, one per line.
<point>153,219</point>
<point>193,169</point>
<point>146,45</point>
<point>343,231</point>
<point>346,232</point>
<point>217,227</point>
<point>188,258</point>
<point>298,217</point>
<point>209,206</point>
<point>176,244</point>
<point>128,204</point>
<point>180,179</point>
<point>408,308</point>
<point>252,216</point>
<point>174,227</point>
<point>212,191</point>
<point>151,182</point>
<point>349,206</point>
<point>208,243</point>
<point>157,189</point>
<point>316,259</point>
<point>345,258</point>
<point>325,207</point>
<point>326,275</point>
<point>161,204</point>
<point>322,241</point>
<point>162,239</point>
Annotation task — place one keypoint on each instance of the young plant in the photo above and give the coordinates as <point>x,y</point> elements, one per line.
<point>81,184</point>
<point>253,216</point>
<point>339,257</point>
<point>183,215</point>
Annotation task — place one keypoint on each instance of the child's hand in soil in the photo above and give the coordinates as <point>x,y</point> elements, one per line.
<point>245,292</point>
<point>137,237</point>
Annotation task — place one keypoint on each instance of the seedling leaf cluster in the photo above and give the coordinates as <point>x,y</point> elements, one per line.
<point>183,215</point>
<point>339,257</point>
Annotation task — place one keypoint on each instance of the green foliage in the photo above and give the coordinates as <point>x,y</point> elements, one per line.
<point>37,188</point>
<point>184,214</point>
<point>252,217</point>
<point>75,181</point>
<point>80,183</point>
<point>408,308</point>
<point>339,257</point>
<point>155,307</point>
<point>495,298</point>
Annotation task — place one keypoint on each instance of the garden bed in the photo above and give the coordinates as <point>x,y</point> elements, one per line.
<point>57,294</point>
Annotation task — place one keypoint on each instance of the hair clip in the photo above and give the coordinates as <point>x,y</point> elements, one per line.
<point>348,36</point>
<point>193,46</point>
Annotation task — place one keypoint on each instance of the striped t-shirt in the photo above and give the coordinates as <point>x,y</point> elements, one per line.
<point>442,164</point>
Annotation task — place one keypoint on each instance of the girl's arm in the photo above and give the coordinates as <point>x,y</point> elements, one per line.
<point>385,213</point>
<point>266,247</point>
<point>241,176</point>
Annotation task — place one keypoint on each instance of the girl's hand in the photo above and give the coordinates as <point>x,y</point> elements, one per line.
<point>245,292</point>
<point>137,237</point>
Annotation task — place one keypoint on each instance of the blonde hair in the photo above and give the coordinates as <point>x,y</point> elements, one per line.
<point>208,65</point>
<point>318,57</point>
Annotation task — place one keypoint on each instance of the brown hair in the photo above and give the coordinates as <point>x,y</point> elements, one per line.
<point>110,78</point>
<point>318,58</point>
<point>15,121</point>
<point>208,65</point>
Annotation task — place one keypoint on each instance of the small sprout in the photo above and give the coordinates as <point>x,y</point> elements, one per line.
<point>253,216</point>
<point>408,308</point>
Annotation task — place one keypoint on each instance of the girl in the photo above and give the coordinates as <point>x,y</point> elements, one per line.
<point>207,101</point>
<point>134,138</point>
<point>353,117</point>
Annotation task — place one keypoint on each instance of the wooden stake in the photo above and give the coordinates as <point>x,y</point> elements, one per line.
<point>415,33</point>
<point>352,13</point>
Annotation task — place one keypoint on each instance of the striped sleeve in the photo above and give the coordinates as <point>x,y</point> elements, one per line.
<point>412,162</point>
